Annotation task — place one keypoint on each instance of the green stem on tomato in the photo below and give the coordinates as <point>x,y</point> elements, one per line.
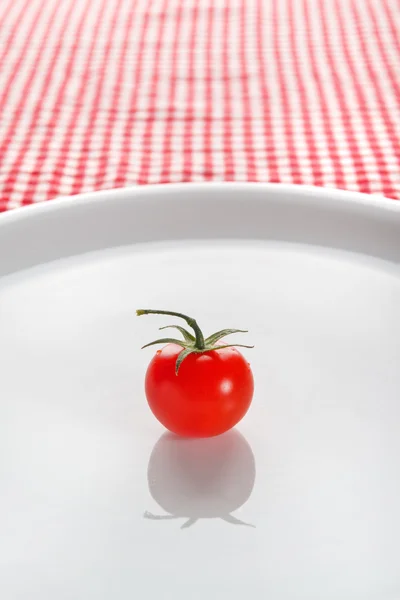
<point>200,344</point>
<point>190,344</point>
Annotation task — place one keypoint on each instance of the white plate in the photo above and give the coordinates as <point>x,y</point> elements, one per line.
<point>314,467</point>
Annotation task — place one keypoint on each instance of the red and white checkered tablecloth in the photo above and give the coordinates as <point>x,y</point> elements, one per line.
<point>97,94</point>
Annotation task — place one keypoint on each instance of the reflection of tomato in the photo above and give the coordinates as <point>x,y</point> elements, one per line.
<point>202,394</point>
<point>201,479</point>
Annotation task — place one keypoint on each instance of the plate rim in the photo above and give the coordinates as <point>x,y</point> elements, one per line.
<point>87,222</point>
<point>340,197</point>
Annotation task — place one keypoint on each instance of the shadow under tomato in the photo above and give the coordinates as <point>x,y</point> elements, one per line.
<point>201,478</point>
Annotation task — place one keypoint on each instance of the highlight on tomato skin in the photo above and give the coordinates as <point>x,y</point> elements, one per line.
<point>196,386</point>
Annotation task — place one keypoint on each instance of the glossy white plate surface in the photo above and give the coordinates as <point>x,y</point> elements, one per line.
<point>301,501</point>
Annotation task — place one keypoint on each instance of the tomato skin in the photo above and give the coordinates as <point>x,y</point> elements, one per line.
<point>211,393</point>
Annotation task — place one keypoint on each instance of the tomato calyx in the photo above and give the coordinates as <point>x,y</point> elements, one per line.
<point>191,343</point>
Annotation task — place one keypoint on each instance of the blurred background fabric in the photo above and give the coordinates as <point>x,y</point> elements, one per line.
<point>96,94</point>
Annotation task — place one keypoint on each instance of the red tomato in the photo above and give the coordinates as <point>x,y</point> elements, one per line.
<point>211,393</point>
<point>198,387</point>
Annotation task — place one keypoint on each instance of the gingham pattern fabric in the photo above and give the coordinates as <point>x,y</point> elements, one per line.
<point>97,94</point>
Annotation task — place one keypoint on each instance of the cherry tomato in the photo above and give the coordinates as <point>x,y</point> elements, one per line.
<point>198,391</point>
